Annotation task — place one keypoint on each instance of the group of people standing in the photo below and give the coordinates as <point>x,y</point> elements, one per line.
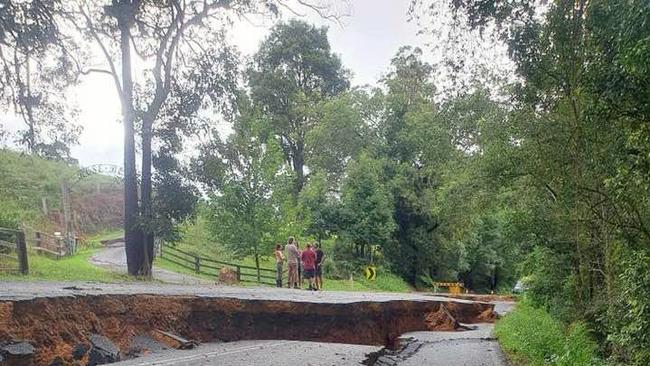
<point>302,264</point>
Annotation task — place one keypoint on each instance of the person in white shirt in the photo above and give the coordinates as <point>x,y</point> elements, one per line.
<point>293,256</point>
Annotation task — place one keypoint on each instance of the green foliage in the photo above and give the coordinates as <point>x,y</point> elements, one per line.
<point>339,134</point>
<point>320,213</point>
<point>244,176</point>
<point>532,336</point>
<point>571,157</point>
<point>366,213</point>
<point>25,180</point>
<point>548,277</point>
<point>293,75</point>
<point>630,316</point>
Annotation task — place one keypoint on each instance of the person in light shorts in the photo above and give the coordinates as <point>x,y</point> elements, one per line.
<point>293,256</point>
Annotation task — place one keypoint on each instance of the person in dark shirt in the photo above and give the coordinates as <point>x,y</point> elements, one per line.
<point>308,257</point>
<point>320,257</point>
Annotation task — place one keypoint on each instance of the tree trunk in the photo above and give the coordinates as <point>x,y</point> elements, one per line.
<point>257,266</point>
<point>145,196</point>
<point>132,233</point>
<point>298,168</point>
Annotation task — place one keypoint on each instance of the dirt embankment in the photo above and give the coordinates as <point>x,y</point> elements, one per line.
<point>58,326</point>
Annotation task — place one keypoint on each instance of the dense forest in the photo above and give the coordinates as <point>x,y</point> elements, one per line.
<point>542,175</point>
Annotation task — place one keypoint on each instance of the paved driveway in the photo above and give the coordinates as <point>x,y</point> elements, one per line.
<point>113,257</point>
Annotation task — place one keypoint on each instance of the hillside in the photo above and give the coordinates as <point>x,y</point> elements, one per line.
<point>31,194</point>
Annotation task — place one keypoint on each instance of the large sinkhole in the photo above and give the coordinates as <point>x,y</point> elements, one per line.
<point>57,327</point>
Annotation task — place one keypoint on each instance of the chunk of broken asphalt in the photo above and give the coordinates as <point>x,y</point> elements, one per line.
<point>21,353</point>
<point>18,349</point>
<point>103,351</point>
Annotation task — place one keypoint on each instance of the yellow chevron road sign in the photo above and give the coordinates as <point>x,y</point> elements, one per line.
<point>370,272</point>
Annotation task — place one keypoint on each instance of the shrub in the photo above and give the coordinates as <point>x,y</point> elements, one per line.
<point>630,313</point>
<point>531,336</point>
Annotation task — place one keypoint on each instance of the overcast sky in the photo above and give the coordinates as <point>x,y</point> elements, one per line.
<point>366,42</point>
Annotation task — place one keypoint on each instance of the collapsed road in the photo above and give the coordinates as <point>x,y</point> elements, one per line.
<point>88,324</point>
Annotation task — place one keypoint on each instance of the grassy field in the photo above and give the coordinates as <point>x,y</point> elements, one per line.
<point>530,336</point>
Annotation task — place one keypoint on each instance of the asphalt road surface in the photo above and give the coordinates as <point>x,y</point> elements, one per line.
<point>113,257</point>
<point>467,348</point>
<point>246,353</point>
<point>18,290</point>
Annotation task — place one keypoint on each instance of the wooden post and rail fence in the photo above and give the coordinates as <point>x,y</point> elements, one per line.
<point>15,246</point>
<point>54,246</point>
<point>211,267</point>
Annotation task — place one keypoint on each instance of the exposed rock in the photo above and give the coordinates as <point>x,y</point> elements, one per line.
<point>103,351</point>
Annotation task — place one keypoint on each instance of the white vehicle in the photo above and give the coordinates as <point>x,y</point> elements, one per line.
<point>520,287</point>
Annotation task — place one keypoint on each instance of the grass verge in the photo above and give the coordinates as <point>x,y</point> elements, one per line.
<point>74,268</point>
<point>530,336</point>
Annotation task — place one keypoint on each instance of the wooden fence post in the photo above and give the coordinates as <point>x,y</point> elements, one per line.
<point>21,248</point>
<point>238,274</point>
<point>38,239</point>
<point>197,264</point>
<point>59,247</point>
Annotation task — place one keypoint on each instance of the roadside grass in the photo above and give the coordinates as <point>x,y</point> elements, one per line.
<point>73,268</point>
<point>94,241</point>
<point>171,266</point>
<point>530,336</point>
